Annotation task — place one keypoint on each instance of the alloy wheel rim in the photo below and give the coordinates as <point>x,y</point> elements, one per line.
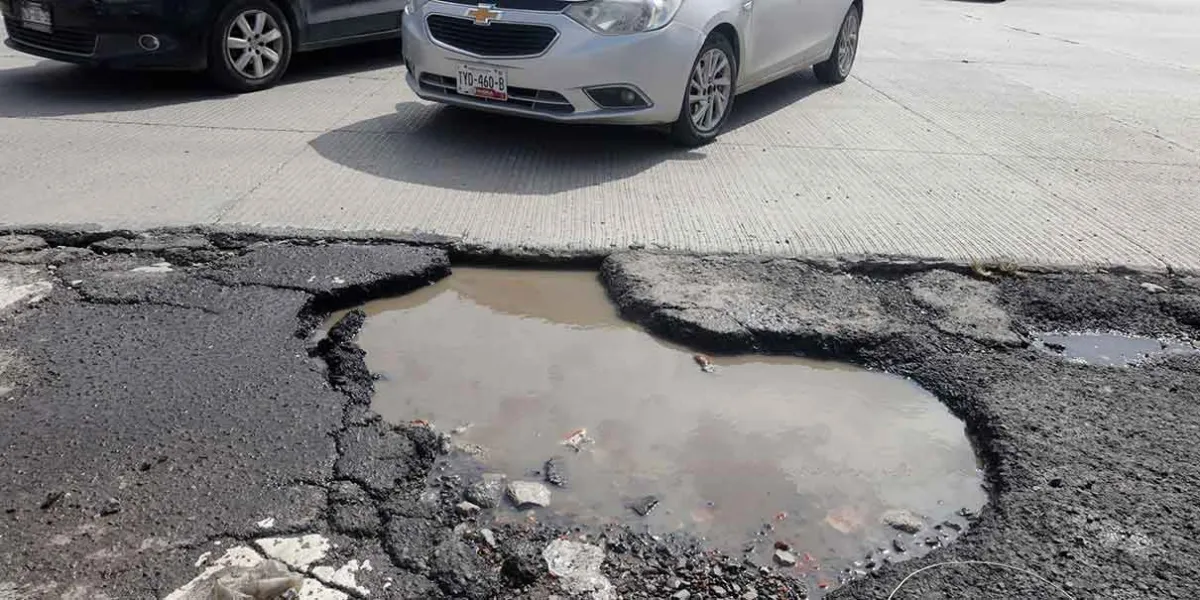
<point>849,43</point>
<point>254,44</point>
<point>709,90</point>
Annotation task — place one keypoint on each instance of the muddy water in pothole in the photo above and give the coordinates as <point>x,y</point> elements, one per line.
<point>1110,349</point>
<point>819,451</point>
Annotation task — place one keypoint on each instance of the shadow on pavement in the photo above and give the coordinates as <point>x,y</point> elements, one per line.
<point>461,149</point>
<point>54,89</point>
<point>764,101</point>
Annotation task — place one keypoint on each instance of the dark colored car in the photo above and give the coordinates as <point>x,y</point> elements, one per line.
<point>245,45</point>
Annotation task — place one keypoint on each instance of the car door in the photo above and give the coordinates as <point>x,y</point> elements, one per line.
<point>330,20</point>
<point>784,33</point>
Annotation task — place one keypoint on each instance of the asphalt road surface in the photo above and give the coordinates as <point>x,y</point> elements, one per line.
<point>1052,132</point>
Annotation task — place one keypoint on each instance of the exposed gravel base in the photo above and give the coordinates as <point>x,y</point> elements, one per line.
<point>183,393</point>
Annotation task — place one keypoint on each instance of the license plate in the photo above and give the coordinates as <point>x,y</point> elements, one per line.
<point>35,16</point>
<point>483,82</point>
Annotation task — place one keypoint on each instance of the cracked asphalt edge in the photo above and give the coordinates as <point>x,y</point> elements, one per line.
<point>887,327</point>
<point>464,251</point>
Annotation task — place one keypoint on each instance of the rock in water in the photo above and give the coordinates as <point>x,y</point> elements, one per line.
<point>642,506</point>
<point>577,567</point>
<point>529,493</point>
<point>555,472</point>
<point>486,492</point>
<point>903,520</point>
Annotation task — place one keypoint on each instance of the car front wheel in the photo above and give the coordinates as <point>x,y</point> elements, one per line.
<point>250,46</point>
<point>837,68</point>
<point>709,95</point>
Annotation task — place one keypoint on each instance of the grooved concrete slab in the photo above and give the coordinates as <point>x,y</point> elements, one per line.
<point>1056,132</point>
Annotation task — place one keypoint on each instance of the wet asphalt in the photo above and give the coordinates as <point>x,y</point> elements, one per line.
<point>159,410</point>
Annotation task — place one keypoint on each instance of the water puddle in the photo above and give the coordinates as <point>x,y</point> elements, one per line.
<point>1108,349</point>
<point>761,453</point>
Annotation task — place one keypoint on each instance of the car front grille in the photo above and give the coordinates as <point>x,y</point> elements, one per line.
<point>536,100</point>
<point>69,41</point>
<point>535,5</point>
<point>497,39</point>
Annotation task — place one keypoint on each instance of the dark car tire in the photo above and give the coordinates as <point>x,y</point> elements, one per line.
<point>222,61</point>
<point>685,131</point>
<point>837,68</point>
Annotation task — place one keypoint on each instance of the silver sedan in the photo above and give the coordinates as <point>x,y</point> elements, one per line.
<point>637,62</point>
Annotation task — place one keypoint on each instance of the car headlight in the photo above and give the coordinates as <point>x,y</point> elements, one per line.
<point>616,17</point>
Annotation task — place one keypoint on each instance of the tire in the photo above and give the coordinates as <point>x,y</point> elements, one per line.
<point>267,53</point>
<point>686,131</point>
<point>837,68</point>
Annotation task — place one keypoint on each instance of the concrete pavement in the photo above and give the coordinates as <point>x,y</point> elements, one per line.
<point>1057,132</point>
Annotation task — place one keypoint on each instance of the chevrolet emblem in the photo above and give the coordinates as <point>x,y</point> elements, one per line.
<point>483,14</point>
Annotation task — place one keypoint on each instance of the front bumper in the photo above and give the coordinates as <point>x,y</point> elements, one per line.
<point>106,34</point>
<point>656,64</point>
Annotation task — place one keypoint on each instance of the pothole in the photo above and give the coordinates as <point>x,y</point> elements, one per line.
<point>828,466</point>
<point>1109,349</point>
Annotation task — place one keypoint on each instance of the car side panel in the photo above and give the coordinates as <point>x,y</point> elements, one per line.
<point>329,20</point>
<point>707,15</point>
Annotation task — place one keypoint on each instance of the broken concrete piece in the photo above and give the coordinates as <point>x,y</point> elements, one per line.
<point>268,580</point>
<point>529,493</point>
<point>21,286</point>
<point>243,574</point>
<point>577,566</point>
<point>296,552</point>
<point>902,520</point>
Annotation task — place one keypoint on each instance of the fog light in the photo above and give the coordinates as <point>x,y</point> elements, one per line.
<point>149,43</point>
<point>617,96</point>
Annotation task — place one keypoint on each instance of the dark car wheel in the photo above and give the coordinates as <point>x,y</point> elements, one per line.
<point>837,68</point>
<point>708,99</point>
<point>250,46</point>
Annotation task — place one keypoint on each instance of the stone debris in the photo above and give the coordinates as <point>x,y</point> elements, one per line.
<point>785,558</point>
<point>1153,288</point>
<point>489,537</point>
<point>468,449</point>
<point>555,472</point>
<point>487,492</point>
<point>644,505</point>
<point>704,362</point>
<point>529,493</point>
<point>467,509</point>
<point>577,567</point>
<point>902,520</point>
